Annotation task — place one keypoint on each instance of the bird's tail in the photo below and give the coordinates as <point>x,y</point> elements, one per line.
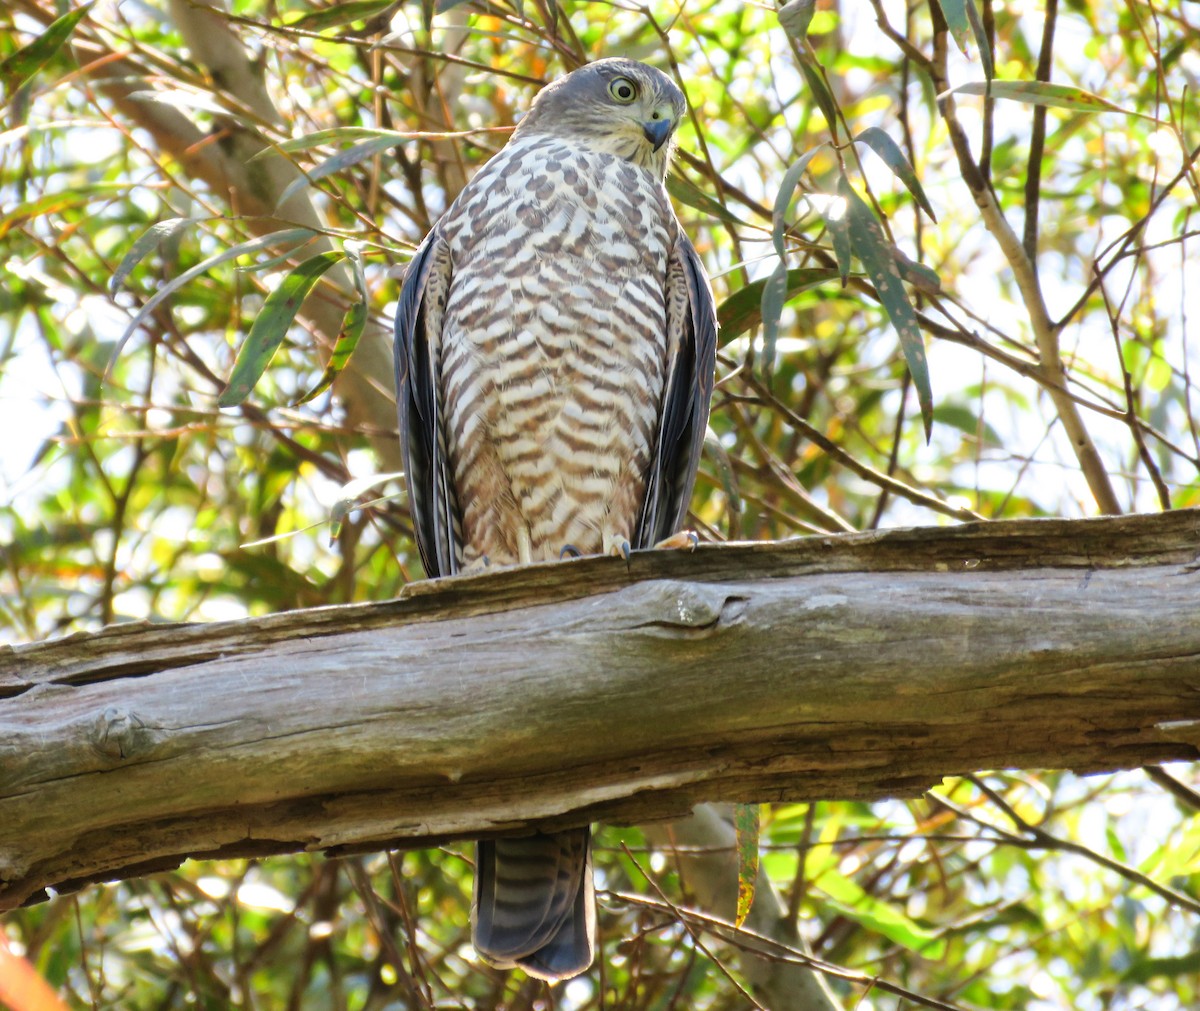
<point>535,903</point>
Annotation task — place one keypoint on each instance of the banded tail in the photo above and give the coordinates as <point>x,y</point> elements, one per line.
<point>535,903</point>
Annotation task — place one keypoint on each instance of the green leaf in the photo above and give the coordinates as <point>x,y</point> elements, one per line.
<point>816,84</point>
<point>187,101</point>
<point>336,135</point>
<point>849,899</point>
<point>742,310</point>
<point>775,288</point>
<point>795,15</point>
<point>967,421</point>
<point>783,199</point>
<point>1059,96</point>
<point>870,245</point>
<point>771,306</point>
<point>962,18</point>
<point>271,326</point>
<point>348,499</point>
<point>1143,970</point>
<point>981,40</point>
<point>353,324</point>
<point>878,141</point>
<point>50,205</point>
<point>167,290</point>
<point>1115,847</point>
<point>151,238</point>
<point>955,13</point>
<point>687,192</point>
<point>20,66</point>
<point>720,456</point>
<point>340,162</point>
<point>918,274</point>
<point>340,14</point>
<point>1178,854</point>
<point>833,213</point>
<point>746,824</point>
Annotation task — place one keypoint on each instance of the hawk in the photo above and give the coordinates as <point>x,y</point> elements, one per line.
<point>555,346</point>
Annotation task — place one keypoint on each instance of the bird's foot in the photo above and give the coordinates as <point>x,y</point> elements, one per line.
<point>617,545</point>
<point>686,540</point>
<point>569,551</point>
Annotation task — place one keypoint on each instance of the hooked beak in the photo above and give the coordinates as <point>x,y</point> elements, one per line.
<point>657,131</point>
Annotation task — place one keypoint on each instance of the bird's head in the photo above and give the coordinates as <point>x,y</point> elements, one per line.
<point>621,107</point>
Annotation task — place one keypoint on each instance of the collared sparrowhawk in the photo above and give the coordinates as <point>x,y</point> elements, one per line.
<point>555,345</point>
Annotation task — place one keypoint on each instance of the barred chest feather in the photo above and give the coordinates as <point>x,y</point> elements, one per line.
<point>553,348</point>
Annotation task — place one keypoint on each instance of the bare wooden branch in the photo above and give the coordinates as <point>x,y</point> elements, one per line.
<point>863,665</point>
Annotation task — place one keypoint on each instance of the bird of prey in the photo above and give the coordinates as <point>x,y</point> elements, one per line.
<point>555,345</point>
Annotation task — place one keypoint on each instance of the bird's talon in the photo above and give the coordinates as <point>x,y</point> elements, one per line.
<point>685,539</point>
<point>617,546</point>
<point>569,551</point>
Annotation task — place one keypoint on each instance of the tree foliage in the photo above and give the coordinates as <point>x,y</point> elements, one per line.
<point>868,206</point>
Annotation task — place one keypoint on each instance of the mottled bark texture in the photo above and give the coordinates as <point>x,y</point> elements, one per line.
<point>865,665</point>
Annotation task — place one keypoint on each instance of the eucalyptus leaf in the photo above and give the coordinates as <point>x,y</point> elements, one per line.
<point>1059,96</point>
<point>795,17</point>
<point>742,311</point>
<point>820,92</point>
<point>186,101</point>
<point>340,162</point>
<point>883,145</point>
<point>981,39</point>
<point>851,900</point>
<point>870,245</point>
<point>280,238</point>
<point>20,66</point>
<point>773,295</point>
<point>340,14</point>
<point>272,324</point>
<point>746,828</point>
<point>336,135</point>
<point>351,330</point>
<point>151,238</point>
<point>783,198</point>
<point>833,213</point>
<point>687,192</point>
<point>962,18</point>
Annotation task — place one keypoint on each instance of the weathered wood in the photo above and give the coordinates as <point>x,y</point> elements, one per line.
<point>856,666</point>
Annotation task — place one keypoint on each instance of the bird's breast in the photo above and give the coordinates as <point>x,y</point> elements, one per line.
<point>554,341</point>
<point>555,247</point>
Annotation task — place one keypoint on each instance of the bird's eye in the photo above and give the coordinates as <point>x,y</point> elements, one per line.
<point>623,90</point>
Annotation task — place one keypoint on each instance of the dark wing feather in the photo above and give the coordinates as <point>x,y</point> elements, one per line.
<point>431,498</point>
<point>685,401</point>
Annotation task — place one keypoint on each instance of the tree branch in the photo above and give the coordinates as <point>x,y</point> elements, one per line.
<point>856,666</point>
<point>1025,275</point>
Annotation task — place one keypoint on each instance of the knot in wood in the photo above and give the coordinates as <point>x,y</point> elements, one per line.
<point>695,606</point>
<point>117,733</point>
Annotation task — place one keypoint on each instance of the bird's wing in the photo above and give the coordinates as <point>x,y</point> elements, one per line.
<point>691,358</point>
<point>431,499</point>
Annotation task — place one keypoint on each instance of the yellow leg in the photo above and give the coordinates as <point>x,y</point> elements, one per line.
<point>524,546</point>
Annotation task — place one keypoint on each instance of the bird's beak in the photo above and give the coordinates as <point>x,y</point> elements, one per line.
<point>658,130</point>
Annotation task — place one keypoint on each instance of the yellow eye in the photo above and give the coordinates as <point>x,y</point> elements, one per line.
<point>623,90</point>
